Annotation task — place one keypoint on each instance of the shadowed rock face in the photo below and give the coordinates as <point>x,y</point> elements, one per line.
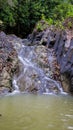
<point>8,63</point>
<point>64,51</point>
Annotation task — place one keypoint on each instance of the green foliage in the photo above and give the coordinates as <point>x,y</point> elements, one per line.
<point>6,14</point>
<point>22,15</point>
<point>41,25</point>
<point>69,24</point>
<point>63,11</point>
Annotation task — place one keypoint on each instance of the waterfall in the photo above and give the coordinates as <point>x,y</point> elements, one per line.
<point>16,88</point>
<point>36,74</point>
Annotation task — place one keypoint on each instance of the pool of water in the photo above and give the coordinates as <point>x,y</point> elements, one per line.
<point>36,112</point>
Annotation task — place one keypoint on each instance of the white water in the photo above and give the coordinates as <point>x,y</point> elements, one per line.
<point>15,87</point>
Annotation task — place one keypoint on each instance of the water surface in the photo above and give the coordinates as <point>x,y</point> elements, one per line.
<point>36,112</point>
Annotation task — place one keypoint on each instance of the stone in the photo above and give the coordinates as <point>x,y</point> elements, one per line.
<point>8,62</point>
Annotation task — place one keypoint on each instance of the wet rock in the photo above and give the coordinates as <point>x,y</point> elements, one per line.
<point>65,82</point>
<point>4,90</point>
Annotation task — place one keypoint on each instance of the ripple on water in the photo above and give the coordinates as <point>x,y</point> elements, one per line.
<point>70,127</point>
<point>68,115</point>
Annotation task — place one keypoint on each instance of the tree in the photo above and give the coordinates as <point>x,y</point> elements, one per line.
<point>20,16</point>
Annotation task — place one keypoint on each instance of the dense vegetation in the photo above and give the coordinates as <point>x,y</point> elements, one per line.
<point>20,16</point>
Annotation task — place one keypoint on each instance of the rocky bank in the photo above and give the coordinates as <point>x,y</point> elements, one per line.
<point>53,52</point>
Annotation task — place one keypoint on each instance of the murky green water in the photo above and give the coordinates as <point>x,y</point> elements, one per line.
<point>36,112</point>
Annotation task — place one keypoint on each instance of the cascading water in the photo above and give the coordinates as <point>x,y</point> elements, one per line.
<point>36,75</point>
<point>15,86</point>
